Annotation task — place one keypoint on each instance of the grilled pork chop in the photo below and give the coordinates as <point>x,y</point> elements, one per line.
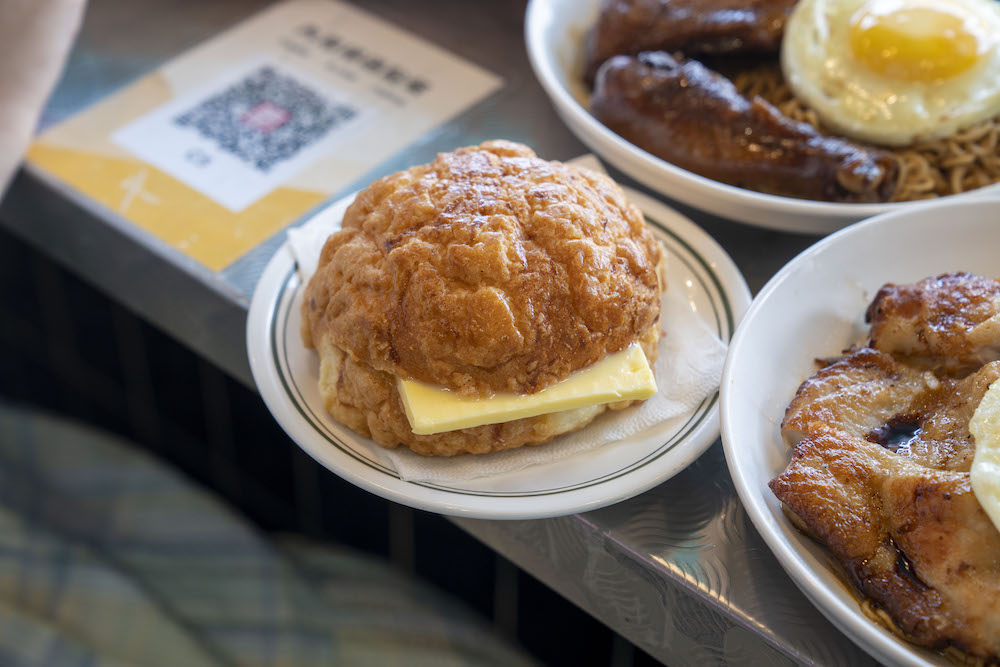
<point>858,395</point>
<point>882,451</point>
<point>914,540</point>
<point>912,412</point>
<point>950,322</point>
<point>942,440</point>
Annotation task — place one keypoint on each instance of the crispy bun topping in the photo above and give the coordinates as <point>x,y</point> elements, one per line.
<point>486,270</point>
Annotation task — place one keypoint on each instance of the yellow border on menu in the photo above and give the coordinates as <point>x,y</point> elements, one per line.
<point>170,210</point>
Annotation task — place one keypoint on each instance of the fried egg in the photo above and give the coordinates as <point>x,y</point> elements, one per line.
<point>985,473</point>
<point>894,72</point>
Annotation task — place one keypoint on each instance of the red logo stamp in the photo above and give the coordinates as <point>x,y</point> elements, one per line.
<point>265,117</point>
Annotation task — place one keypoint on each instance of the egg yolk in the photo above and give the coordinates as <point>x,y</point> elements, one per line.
<point>915,42</point>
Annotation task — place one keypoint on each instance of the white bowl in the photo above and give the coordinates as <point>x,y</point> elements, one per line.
<point>814,308</point>
<point>554,32</point>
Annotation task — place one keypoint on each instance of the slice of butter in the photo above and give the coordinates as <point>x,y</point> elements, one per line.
<point>985,428</point>
<point>624,376</point>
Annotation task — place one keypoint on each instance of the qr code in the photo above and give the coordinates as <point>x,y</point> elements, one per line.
<point>265,118</point>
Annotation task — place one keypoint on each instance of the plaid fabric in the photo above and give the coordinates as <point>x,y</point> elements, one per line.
<point>108,558</point>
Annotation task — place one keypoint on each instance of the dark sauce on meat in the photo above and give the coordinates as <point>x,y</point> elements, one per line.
<point>896,434</point>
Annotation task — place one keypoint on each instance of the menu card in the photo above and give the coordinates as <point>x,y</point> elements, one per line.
<point>235,139</point>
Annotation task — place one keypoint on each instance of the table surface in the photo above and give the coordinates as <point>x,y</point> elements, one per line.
<point>679,570</point>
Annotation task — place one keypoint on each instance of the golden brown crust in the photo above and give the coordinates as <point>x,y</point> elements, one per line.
<point>880,467</point>
<point>914,540</point>
<point>948,322</point>
<point>367,401</point>
<point>486,270</point>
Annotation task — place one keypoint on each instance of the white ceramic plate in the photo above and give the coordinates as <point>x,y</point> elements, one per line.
<point>814,307</point>
<point>286,375</point>
<point>554,32</point>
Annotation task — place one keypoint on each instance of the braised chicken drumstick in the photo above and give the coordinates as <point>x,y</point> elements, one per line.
<point>692,117</point>
<point>692,26</point>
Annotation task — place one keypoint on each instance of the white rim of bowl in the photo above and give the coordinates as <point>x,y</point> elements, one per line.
<point>859,628</point>
<point>544,68</point>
